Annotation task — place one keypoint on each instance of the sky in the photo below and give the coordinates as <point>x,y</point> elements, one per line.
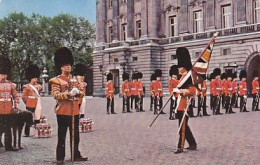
<point>82,8</point>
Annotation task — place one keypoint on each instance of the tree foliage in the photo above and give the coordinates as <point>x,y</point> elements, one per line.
<point>25,40</point>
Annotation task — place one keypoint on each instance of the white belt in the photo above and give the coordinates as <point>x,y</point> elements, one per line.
<point>230,88</point>
<point>159,89</point>
<point>133,88</point>
<point>203,88</point>
<point>126,89</point>
<point>244,89</point>
<point>140,89</point>
<point>5,100</point>
<point>32,97</point>
<point>257,87</point>
<point>219,88</point>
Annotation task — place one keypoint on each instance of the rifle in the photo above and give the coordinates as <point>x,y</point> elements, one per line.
<point>256,102</point>
<point>244,103</point>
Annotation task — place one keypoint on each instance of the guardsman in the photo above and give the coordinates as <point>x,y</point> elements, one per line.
<point>234,91</point>
<point>223,78</point>
<point>7,94</point>
<point>217,90</point>
<point>140,90</point>
<point>80,72</point>
<point>243,91</point>
<point>134,91</point>
<point>184,64</point>
<point>152,91</point>
<point>126,92</point>
<point>202,98</point>
<point>158,99</point>
<point>255,91</point>
<point>171,85</point>
<point>65,89</point>
<point>31,94</point>
<point>228,92</point>
<point>110,89</point>
<point>211,79</point>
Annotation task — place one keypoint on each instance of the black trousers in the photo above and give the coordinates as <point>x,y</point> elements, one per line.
<point>211,102</point>
<point>151,103</point>
<point>5,127</point>
<point>173,106</point>
<point>202,104</point>
<point>242,104</point>
<point>141,99</point>
<point>228,104</point>
<point>234,100</point>
<point>223,97</point>
<point>156,101</point>
<point>191,112</point>
<point>216,104</point>
<point>255,104</point>
<point>185,132</point>
<point>126,104</point>
<point>65,122</point>
<point>134,99</point>
<point>110,103</point>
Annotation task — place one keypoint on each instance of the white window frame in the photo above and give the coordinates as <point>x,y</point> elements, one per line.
<point>123,31</point>
<point>138,29</point>
<point>173,26</point>
<point>256,11</point>
<point>110,32</point>
<point>226,13</point>
<point>198,21</point>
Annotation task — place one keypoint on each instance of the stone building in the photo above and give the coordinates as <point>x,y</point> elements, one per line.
<point>142,35</point>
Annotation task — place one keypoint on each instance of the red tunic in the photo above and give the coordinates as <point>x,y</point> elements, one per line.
<point>242,88</point>
<point>234,86</point>
<point>158,88</point>
<point>110,90</point>
<point>29,97</point>
<point>228,88</point>
<point>152,92</point>
<point>210,88</point>
<point>255,87</point>
<point>140,88</point>
<point>223,82</point>
<point>126,89</point>
<point>216,87</point>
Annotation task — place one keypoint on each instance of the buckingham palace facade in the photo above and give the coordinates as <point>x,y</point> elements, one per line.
<point>142,35</point>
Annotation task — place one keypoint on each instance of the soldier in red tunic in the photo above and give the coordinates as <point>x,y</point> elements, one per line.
<point>7,94</point>
<point>126,92</point>
<point>217,90</point>
<point>228,92</point>
<point>80,72</point>
<point>31,93</point>
<point>158,98</point>
<point>255,91</point>
<point>152,91</point>
<point>110,89</point>
<point>140,90</point>
<point>202,98</point>
<point>171,85</point>
<point>234,101</point>
<point>211,79</point>
<point>223,78</point>
<point>66,89</point>
<point>187,90</point>
<point>243,91</point>
<point>134,91</point>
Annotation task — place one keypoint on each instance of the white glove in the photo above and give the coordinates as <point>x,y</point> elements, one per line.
<point>74,92</point>
<point>176,90</point>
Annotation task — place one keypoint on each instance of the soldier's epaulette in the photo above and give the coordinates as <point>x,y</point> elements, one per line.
<point>54,80</point>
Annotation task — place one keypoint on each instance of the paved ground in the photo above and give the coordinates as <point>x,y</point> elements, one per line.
<point>124,139</point>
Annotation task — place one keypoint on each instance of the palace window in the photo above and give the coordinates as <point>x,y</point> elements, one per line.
<point>115,60</point>
<point>173,26</point>
<point>197,54</point>
<point>124,1</point>
<point>173,57</point>
<point>110,31</point>
<point>135,59</point>
<point>256,11</point>
<point>226,51</point>
<point>138,29</point>
<point>110,3</point>
<point>226,16</point>
<point>198,22</point>
<point>123,32</point>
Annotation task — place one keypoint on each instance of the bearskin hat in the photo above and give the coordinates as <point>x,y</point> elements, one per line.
<point>183,57</point>
<point>140,75</point>
<point>203,76</point>
<point>5,65</point>
<point>234,76</point>
<point>109,76</point>
<point>62,57</point>
<point>242,74</point>
<point>125,76</point>
<point>134,76</point>
<point>212,76</point>
<point>217,71</point>
<point>80,70</point>
<point>174,70</point>
<point>255,74</point>
<point>229,74</point>
<point>158,73</point>
<point>153,77</point>
<point>223,76</point>
<point>31,72</point>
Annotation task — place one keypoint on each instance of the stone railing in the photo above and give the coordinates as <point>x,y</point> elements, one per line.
<point>186,37</point>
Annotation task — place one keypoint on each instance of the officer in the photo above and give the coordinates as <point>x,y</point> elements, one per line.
<point>110,89</point>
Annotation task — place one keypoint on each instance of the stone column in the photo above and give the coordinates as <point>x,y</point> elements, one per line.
<point>115,20</point>
<point>183,16</point>
<point>130,20</point>
<point>153,9</point>
<point>101,26</point>
<point>144,18</point>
